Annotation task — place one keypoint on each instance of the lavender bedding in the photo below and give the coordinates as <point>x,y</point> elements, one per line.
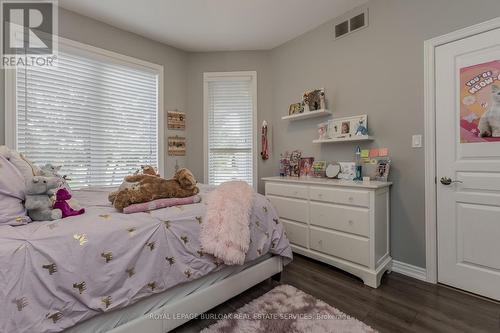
<point>56,274</point>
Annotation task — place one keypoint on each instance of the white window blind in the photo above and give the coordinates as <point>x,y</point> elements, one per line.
<point>95,117</point>
<point>230,126</point>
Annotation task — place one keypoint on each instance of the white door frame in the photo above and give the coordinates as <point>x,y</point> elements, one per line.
<point>430,137</point>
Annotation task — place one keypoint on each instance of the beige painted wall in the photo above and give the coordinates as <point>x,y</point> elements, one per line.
<point>89,31</point>
<point>378,71</point>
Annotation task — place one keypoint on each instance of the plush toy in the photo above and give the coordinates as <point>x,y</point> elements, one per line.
<point>49,170</point>
<point>150,188</point>
<point>61,196</point>
<point>145,170</point>
<point>38,192</point>
<point>25,166</point>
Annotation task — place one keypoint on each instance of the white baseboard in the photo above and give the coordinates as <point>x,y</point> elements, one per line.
<point>415,272</point>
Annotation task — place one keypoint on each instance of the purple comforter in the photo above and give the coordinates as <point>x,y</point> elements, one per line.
<point>56,274</point>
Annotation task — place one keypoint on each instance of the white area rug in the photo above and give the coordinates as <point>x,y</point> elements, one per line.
<point>287,309</point>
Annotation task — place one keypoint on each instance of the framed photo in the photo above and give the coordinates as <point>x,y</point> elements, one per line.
<point>348,127</point>
<point>347,170</point>
<point>382,170</point>
<point>295,108</point>
<point>314,99</point>
<point>295,163</point>
<point>319,169</point>
<point>176,120</point>
<point>176,146</point>
<point>306,164</point>
<point>284,164</point>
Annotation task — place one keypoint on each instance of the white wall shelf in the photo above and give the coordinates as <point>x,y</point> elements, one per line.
<point>354,138</point>
<point>310,114</point>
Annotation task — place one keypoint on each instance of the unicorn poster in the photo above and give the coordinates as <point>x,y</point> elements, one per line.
<point>480,103</point>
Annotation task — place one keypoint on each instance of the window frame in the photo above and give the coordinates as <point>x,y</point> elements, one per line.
<point>94,52</point>
<point>221,76</point>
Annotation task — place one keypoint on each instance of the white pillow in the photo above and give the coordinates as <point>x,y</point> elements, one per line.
<point>12,189</point>
<point>25,166</point>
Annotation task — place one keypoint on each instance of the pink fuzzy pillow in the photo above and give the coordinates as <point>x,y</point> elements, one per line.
<point>161,203</point>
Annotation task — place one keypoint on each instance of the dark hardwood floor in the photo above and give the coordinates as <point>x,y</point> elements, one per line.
<point>400,304</point>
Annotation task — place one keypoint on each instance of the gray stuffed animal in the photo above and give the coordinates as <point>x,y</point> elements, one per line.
<point>49,170</point>
<point>38,192</point>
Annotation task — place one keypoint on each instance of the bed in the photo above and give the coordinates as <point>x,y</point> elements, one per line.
<point>106,271</point>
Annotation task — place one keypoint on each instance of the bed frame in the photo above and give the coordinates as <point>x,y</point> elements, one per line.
<point>204,299</point>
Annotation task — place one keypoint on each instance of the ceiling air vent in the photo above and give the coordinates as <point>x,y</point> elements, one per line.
<point>353,21</point>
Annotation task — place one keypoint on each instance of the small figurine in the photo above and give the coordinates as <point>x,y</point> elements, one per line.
<point>361,130</point>
<point>322,99</point>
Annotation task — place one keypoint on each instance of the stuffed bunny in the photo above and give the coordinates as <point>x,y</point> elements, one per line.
<point>38,192</point>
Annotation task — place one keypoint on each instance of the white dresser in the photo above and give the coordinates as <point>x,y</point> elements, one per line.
<point>342,223</point>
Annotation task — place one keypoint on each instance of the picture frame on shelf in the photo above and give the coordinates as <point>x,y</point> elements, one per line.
<point>314,100</point>
<point>348,127</point>
<point>295,108</point>
<point>347,170</point>
<point>295,163</point>
<point>382,170</point>
<point>306,164</point>
<point>319,169</point>
<point>285,164</point>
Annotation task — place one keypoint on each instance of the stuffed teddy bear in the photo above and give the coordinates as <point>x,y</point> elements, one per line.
<point>61,196</point>
<point>38,192</point>
<point>25,166</point>
<point>150,188</point>
<point>145,169</point>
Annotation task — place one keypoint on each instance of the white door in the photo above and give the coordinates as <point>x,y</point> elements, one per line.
<point>468,151</point>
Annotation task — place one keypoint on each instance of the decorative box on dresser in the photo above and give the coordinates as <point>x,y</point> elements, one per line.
<point>339,222</point>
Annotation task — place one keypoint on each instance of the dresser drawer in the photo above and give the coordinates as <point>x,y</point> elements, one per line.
<point>286,190</point>
<point>296,233</point>
<point>291,209</point>
<point>343,246</point>
<point>340,196</point>
<point>344,218</point>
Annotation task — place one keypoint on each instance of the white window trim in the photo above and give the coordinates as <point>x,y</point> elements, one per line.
<point>80,48</point>
<point>213,76</point>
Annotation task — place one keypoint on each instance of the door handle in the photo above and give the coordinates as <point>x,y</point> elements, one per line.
<point>449,181</point>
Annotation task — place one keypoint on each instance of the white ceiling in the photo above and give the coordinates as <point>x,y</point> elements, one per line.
<point>214,25</point>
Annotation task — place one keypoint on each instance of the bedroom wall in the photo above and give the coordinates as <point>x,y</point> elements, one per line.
<point>378,71</point>
<point>198,63</point>
<point>89,31</point>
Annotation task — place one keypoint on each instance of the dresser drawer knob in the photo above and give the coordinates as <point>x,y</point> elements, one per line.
<point>351,198</point>
<point>320,195</point>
